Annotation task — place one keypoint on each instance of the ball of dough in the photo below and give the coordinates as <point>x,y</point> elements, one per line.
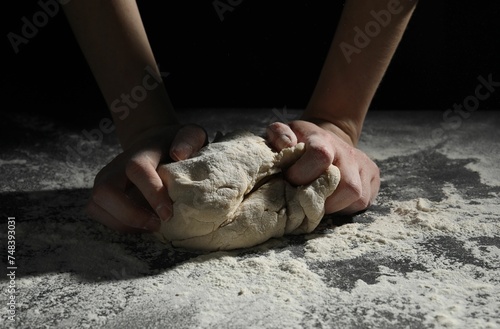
<point>232,194</point>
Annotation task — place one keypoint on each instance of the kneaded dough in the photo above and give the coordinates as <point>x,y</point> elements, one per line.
<point>232,194</point>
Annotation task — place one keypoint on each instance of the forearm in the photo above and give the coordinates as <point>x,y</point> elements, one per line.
<point>354,67</point>
<point>114,42</point>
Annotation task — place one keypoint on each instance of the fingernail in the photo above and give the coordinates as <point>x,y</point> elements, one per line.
<point>164,211</point>
<point>153,224</point>
<point>182,151</point>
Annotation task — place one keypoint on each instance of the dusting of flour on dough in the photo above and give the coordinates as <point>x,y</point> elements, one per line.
<point>232,195</point>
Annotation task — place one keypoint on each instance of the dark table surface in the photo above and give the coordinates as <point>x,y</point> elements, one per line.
<point>426,255</point>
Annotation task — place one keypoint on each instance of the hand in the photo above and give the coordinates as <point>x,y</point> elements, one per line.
<point>327,144</point>
<point>132,175</point>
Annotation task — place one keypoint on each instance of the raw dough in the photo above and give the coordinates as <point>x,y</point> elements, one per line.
<point>232,195</point>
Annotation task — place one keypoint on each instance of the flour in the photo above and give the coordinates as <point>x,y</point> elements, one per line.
<point>410,261</point>
<point>275,288</point>
<point>406,263</point>
<point>483,162</point>
<point>280,280</point>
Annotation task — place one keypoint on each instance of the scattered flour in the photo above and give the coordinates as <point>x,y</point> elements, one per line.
<point>440,270</point>
<point>271,287</point>
<point>12,162</point>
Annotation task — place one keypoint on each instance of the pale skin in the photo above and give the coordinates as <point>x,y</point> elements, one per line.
<point>114,42</point>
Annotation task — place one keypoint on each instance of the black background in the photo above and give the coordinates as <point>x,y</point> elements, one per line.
<point>262,55</point>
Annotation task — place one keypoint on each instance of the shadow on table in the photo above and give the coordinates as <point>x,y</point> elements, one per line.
<point>54,235</point>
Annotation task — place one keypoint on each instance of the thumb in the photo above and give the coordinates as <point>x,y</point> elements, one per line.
<point>188,141</point>
<point>280,136</point>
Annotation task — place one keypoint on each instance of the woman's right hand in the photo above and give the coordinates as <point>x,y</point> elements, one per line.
<point>112,203</point>
<point>326,144</point>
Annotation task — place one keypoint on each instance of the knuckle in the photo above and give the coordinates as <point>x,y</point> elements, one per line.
<point>376,170</point>
<point>355,189</point>
<point>294,124</point>
<point>359,194</point>
<point>354,153</point>
<point>363,203</point>
<point>321,154</point>
<point>99,192</point>
<point>134,168</point>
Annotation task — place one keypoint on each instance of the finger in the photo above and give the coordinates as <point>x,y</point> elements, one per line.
<point>375,185</point>
<point>188,140</point>
<point>121,207</point>
<point>364,198</point>
<point>315,161</point>
<point>102,216</point>
<point>347,192</point>
<point>280,136</point>
<point>141,170</point>
<point>370,183</point>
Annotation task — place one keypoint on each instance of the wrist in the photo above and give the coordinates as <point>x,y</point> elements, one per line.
<point>127,141</point>
<point>347,130</point>
<point>149,133</point>
<point>151,115</point>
